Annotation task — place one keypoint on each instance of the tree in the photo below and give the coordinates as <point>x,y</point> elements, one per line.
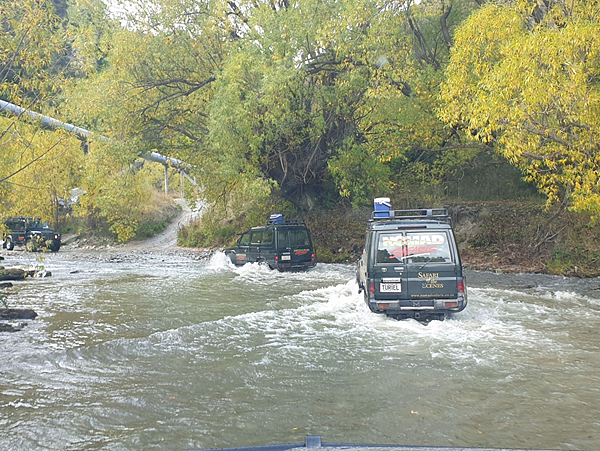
<point>525,77</point>
<point>406,46</point>
<point>36,165</point>
<point>39,170</point>
<point>43,56</point>
<point>32,46</point>
<point>294,98</point>
<point>341,91</point>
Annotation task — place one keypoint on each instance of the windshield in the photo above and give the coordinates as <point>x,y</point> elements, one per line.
<point>293,237</point>
<point>414,247</point>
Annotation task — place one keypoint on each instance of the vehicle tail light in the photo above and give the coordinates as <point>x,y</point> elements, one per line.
<point>313,256</point>
<point>372,289</point>
<point>461,286</point>
<point>451,304</point>
<point>277,258</point>
<point>383,305</point>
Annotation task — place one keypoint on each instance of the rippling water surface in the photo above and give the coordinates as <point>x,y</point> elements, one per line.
<point>173,353</point>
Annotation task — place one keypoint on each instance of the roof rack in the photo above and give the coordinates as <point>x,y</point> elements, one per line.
<point>421,213</point>
<point>287,222</point>
<point>277,219</point>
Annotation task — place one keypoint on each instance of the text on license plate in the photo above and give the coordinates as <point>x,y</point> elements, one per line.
<point>387,287</point>
<point>286,257</point>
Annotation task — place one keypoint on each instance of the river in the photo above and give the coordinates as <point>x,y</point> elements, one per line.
<point>169,351</point>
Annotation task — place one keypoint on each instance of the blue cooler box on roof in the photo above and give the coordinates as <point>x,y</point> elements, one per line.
<point>276,218</point>
<point>383,207</point>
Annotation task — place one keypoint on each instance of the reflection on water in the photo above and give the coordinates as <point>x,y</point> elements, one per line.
<point>172,353</point>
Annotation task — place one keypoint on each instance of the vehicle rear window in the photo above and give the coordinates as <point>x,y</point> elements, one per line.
<point>293,237</point>
<point>425,246</point>
<point>17,225</point>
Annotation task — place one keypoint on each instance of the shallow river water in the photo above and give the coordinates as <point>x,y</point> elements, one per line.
<point>172,352</point>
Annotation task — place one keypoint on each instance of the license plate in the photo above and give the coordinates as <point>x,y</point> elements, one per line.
<point>390,287</point>
<point>286,257</point>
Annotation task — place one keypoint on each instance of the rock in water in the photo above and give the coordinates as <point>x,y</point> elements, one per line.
<point>12,313</point>
<point>12,273</point>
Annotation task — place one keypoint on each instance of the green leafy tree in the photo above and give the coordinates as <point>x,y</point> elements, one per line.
<point>283,105</point>
<point>294,94</point>
<point>407,48</point>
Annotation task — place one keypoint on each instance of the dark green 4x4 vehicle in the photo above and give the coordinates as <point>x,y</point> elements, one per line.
<point>410,266</point>
<point>283,245</point>
<point>30,232</point>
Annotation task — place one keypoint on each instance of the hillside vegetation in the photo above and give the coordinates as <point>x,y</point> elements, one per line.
<point>303,108</point>
<point>508,237</point>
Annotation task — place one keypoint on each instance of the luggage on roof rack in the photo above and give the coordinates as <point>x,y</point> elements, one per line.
<point>276,218</point>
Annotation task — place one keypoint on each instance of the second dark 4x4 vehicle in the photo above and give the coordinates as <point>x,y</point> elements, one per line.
<point>410,267</point>
<point>32,233</point>
<point>283,245</point>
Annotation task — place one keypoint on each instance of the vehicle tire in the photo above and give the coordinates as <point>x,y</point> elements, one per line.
<point>366,295</point>
<point>263,261</point>
<point>54,247</point>
<point>232,256</point>
<point>360,285</point>
<point>9,244</point>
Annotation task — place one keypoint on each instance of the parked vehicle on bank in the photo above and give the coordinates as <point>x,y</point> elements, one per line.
<point>15,235</point>
<point>285,245</point>
<point>410,266</point>
<point>30,232</point>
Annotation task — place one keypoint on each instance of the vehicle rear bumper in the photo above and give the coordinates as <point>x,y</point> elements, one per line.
<point>296,266</point>
<point>417,308</point>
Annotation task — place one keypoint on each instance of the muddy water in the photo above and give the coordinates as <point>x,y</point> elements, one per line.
<point>170,352</point>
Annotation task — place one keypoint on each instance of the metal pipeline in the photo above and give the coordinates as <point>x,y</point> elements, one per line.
<point>47,121</point>
<point>167,161</point>
<point>84,134</point>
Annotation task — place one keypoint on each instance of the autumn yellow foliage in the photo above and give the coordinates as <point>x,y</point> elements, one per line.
<point>528,81</point>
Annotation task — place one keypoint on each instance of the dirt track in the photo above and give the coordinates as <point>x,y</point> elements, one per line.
<point>160,247</point>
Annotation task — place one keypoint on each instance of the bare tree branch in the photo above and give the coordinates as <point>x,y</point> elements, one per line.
<point>444,24</point>
<point>30,163</point>
<point>533,156</point>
